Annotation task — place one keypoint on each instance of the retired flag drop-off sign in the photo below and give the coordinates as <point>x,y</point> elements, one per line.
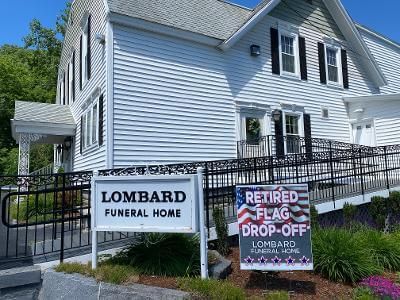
<point>274,227</point>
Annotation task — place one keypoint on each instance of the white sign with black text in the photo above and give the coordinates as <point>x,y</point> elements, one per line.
<point>146,203</point>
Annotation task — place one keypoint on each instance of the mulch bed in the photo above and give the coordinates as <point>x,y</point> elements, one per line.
<point>301,285</point>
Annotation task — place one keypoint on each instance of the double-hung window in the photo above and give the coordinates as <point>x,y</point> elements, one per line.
<point>84,55</point>
<point>292,133</point>
<point>289,53</point>
<point>90,125</point>
<point>71,80</point>
<point>332,62</point>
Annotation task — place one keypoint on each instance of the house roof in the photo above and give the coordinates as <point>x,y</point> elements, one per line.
<point>52,122</point>
<point>213,18</point>
<point>43,113</point>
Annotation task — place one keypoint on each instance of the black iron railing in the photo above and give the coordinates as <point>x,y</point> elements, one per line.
<point>51,214</point>
<point>272,145</point>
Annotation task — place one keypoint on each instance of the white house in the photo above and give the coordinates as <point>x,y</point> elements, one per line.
<point>163,81</point>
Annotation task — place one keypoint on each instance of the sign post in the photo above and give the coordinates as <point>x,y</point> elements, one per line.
<point>162,203</point>
<point>274,227</point>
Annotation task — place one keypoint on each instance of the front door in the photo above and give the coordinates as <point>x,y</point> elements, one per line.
<point>363,134</point>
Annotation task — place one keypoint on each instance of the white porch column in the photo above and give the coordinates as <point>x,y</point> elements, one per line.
<point>25,140</point>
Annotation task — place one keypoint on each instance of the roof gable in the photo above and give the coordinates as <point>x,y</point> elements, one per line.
<point>342,19</point>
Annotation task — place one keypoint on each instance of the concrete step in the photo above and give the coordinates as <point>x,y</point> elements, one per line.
<point>20,276</point>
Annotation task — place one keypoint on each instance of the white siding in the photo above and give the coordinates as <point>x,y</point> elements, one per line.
<point>386,116</point>
<point>174,101</point>
<point>95,158</point>
<point>388,58</point>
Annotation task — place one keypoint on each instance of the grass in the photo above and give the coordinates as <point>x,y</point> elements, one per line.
<point>385,249</point>
<point>211,289</point>
<point>115,274</point>
<point>340,257</point>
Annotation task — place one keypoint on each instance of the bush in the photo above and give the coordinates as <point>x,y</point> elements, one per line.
<point>385,249</point>
<point>340,257</point>
<point>221,227</point>
<point>211,289</point>
<point>162,255</point>
<point>378,211</point>
<point>349,214</point>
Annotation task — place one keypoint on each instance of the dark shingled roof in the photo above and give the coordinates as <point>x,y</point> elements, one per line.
<point>213,18</point>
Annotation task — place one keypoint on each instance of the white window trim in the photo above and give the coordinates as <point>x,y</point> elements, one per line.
<point>62,91</point>
<point>89,109</point>
<point>339,65</point>
<point>295,36</point>
<point>84,66</point>
<point>301,124</point>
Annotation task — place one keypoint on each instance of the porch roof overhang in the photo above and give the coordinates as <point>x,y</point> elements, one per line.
<point>368,98</point>
<point>51,122</point>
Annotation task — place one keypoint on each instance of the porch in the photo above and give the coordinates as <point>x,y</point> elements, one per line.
<point>46,124</point>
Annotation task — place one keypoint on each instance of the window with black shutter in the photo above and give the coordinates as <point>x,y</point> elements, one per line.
<point>303,58</point>
<point>101,120</point>
<point>279,138</point>
<point>345,69</point>
<point>321,60</point>
<point>275,51</point>
<point>307,133</point>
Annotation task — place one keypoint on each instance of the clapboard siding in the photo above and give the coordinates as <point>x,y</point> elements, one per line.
<point>174,100</point>
<point>386,119</point>
<point>94,158</point>
<point>388,57</point>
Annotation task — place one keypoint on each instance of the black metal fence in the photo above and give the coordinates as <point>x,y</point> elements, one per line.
<point>272,145</point>
<point>51,214</point>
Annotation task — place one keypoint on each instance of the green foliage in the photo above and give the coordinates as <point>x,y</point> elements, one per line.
<point>106,272</point>
<point>278,295</point>
<point>314,217</point>
<point>211,289</point>
<point>162,255</point>
<point>363,293</point>
<point>8,160</point>
<point>384,249</point>
<point>221,228</point>
<point>377,209</point>
<point>394,202</point>
<point>349,213</point>
<point>339,257</point>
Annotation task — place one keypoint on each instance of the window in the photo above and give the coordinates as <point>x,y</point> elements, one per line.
<point>253,130</point>
<point>289,54</point>
<point>325,113</point>
<point>292,133</point>
<point>90,125</point>
<point>62,91</point>
<point>71,80</point>
<point>85,52</point>
<point>332,63</point>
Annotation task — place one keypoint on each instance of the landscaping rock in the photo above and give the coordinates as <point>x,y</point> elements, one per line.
<point>221,269</point>
<point>75,286</point>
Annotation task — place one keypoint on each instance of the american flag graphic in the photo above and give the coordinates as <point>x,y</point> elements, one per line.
<point>247,213</point>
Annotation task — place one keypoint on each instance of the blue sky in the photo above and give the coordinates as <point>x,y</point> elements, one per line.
<point>15,16</point>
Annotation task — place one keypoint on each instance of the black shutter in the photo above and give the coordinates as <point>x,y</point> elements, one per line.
<point>279,139</point>
<point>307,134</point>
<point>101,120</point>
<point>275,51</point>
<point>73,76</point>
<point>65,89</point>
<point>80,63</point>
<point>88,67</point>
<point>321,58</point>
<point>345,69</point>
<point>303,58</point>
<point>81,140</point>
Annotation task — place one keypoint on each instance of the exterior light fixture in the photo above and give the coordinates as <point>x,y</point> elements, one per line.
<point>276,115</point>
<point>67,143</point>
<point>255,50</point>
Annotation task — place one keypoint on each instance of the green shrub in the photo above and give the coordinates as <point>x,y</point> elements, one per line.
<point>221,227</point>
<point>32,208</point>
<point>314,217</point>
<point>162,255</point>
<point>378,211</point>
<point>363,293</point>
<point>384,249</point>
<point>349,214</point>
<point>340,257</point>
<point>394,202</point>
<point>211,289</point>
